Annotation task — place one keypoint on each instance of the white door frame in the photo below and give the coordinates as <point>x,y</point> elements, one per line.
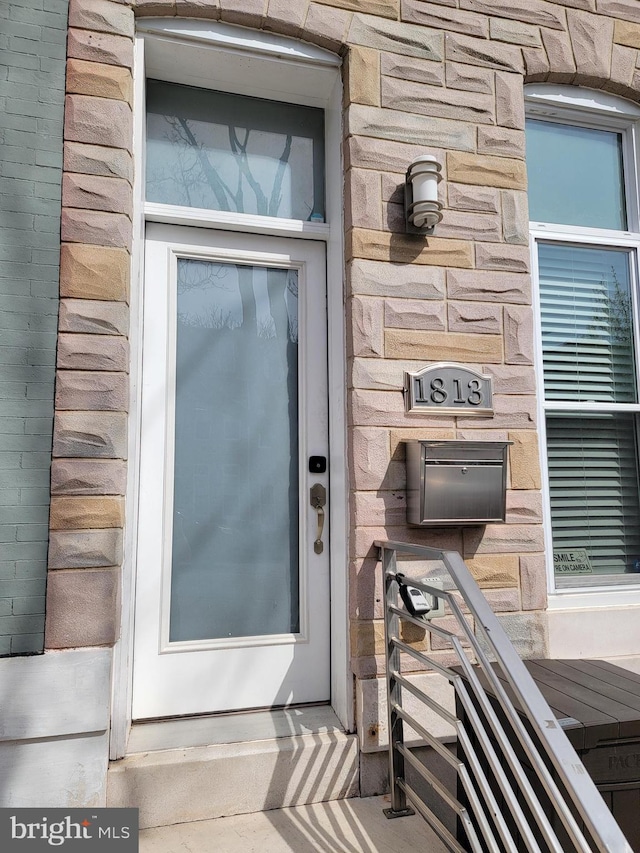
<point>331,99</point>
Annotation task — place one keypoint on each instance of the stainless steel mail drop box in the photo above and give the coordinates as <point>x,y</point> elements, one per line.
<point>456,482</point>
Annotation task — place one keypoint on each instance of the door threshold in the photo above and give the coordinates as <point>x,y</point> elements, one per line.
<point>240,727</point>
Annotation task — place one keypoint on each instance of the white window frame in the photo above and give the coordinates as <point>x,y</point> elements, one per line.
<point>598,110</point>
<point>210,54</point>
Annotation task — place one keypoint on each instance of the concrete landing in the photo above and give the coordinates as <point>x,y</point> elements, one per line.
<point>341,826</point>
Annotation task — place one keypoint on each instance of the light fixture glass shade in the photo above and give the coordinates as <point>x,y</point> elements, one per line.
<point>423,177</point>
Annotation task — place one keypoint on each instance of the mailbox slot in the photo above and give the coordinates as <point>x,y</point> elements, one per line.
<point>456,482</point>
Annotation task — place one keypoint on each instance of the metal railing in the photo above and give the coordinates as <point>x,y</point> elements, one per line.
<point>520,783</point>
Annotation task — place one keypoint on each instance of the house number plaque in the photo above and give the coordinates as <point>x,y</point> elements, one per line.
<point>448,389</point>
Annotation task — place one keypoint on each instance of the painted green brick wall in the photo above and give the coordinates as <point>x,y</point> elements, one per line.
<point>32,71</point>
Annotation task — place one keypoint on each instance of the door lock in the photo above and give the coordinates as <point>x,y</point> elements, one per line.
<point>318,499</point>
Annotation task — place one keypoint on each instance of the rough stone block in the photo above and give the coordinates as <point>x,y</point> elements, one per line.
<point>92,352</point>
<point>372,278</point>
<point>396,37</point>
<point>435,101</point>
<point>489,286</point>
<point>88,477</point>
<point>518,335</point>
<point>485,170</point>
<point>146,8</point>
<point>452,20</point>
<point>503,539</point>
<point>397,437</point>
<point>100,47</point>
<point>502,256</point>
<point>451,624</point>
<point>441,538</point>
<point>92,391</point>
<point>481,199</point>
<point>102,121</point>
<point>472,78</point>
<point>514,32</point>
<point>512,380</point>
<point>386,408</point>
<point>93,317</point>
<point>475,317</point>
<point>501,141</point>
<point>379,374</point>
<point>283,16</point>
<point>442,346</point>
<point>413,314</point>
<point>524,460</point>
<point>93,192</point>
<point>364,325</point>
<point>90,434</point>
<point>94,272</point>
<point>533,582</point>
<point>82,608</point>
<point>489,54</point>
<point>363,76</point>
<point>509,100</point>
<point>363,203</point>
<point>326,26</point>
<point>515,218</point>
<point>98,160</point>
<point>380,509</point>
<point>396,248</point>
<point>102,16</point>
<point>626,33</point>
<point>524,507</point>
<point>248,13</point>
<point>470,226</point>
<point>536,64</point>
<point>99,80</point>
<point>366,152</point>
<point>626,9</point>
<point>537,12</point>
<point>623,64</point>
<point>404,127</point>
<point>591,38</point>
<point>72,513</point>
<point>90,549</point>
<point>527,632</point>
<point>494,571</point>
<point>562,65</point>
<point>381,8</point>
<point>410,68</point>
<point>367,638</point>
<point>371,467</point>
<point>97,227</point>
<point>509,412</point>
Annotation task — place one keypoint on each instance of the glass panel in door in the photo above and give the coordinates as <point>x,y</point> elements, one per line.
<point>235,536</point>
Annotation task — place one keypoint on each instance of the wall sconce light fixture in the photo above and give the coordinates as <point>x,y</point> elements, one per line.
<point>421,205</point>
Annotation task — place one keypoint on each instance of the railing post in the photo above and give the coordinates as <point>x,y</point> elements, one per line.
<point>399,807</point>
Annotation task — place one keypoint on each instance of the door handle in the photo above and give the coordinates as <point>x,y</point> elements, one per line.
<point>318,499</point>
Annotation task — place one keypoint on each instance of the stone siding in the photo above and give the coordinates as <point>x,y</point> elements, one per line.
<point>443,78</point>
<point>32,69</point>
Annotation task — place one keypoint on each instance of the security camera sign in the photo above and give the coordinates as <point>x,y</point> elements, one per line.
<point>572,562</point>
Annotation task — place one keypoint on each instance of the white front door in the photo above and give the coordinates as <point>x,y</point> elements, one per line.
<point>232,596</point>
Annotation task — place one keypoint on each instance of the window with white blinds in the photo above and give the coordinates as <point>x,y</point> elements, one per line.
<point>586,320</point>
<point>586,263</point>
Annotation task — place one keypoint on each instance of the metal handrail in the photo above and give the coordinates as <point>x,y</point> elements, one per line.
<point>489,737</point>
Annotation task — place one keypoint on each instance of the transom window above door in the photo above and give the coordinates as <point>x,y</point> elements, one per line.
<point>219,151</point>
<point>583,204</point>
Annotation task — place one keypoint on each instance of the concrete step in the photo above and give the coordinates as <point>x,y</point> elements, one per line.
<point>342,826</point>
<point>179,785</point>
